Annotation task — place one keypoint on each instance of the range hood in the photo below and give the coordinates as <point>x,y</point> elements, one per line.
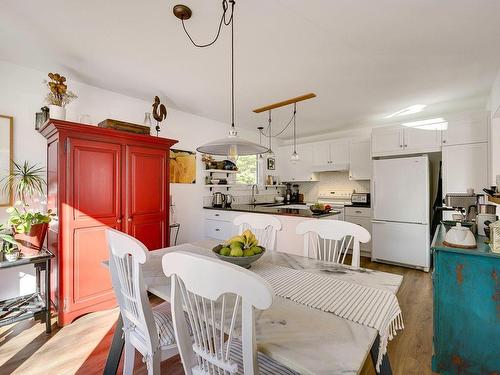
<point>332,167</point>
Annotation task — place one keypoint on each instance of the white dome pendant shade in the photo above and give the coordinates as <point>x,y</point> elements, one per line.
<point>232,146</point>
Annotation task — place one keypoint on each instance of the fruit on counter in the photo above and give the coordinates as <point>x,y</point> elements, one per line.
<point>243,245</point>
<point>321,207</point>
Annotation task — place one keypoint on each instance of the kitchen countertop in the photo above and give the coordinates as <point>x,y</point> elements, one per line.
<point>481,249</point>
<point>273,210</point>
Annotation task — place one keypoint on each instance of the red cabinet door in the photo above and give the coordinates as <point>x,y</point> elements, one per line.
<point>93,204</point>
<point>146,197</point>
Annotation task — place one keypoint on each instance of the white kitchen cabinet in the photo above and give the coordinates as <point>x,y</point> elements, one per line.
<point>219,224</point>
<point>402,140</point>
<point>421,140</point>
<point>300,170</point>
<point>465,166</point>
<point>361,216</point>
<point>321,153</point>
<point>360,160</point>
<point>387,141</point>
<point>473,129</point>
<point>331,155</point>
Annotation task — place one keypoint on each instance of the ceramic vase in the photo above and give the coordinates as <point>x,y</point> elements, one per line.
<point>57,112</point>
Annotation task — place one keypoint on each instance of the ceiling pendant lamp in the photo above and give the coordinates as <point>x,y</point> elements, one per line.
<point>295,156</point>
<point>232,146</point>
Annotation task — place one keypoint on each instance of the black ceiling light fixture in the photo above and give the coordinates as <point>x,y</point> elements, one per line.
<point>231,146</point>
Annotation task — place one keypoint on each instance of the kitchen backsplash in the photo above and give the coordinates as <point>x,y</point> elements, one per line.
<point>242,195</point>
<point>332,181</point>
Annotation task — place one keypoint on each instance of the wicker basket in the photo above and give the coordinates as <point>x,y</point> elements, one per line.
<point>495,236</point>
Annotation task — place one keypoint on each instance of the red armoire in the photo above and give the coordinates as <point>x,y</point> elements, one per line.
<point>99,178</point>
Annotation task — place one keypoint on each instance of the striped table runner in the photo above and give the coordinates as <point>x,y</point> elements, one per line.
<point>373,307</point>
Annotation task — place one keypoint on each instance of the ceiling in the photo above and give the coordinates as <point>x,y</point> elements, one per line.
<point>364,59</point>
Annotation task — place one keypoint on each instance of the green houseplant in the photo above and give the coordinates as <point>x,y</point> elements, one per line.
<point>29,226</point>
<point>8,245</point>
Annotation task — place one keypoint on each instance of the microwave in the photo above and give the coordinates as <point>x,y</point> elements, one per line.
<point>361,199</point>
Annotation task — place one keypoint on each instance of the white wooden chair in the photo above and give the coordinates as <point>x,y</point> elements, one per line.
<point>331,239</point>
<point>149,330</point>
<point>265,228</point>
<point>211,292</point>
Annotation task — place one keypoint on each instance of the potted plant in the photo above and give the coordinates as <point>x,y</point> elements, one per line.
<point>59,96</point>
<point>8,245</point>
<point>29,226</point>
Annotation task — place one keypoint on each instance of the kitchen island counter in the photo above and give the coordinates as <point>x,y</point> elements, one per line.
<point>274,210</point>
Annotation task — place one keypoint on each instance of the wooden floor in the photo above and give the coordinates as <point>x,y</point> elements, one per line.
<point>81,347</point>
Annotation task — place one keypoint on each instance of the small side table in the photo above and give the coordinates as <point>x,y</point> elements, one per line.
<point>34,304</point>
<point>178,227</point>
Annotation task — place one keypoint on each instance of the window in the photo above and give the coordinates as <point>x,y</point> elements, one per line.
<point>247,170</point>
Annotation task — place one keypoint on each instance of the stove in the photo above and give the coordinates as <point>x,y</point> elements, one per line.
<point>338,199</point>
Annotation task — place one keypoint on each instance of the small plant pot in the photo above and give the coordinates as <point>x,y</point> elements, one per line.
<point>30,243</point>
<point>57,112</point>
<point>13,256</point>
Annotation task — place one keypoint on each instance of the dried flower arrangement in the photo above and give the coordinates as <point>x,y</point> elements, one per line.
<point>59,94</point>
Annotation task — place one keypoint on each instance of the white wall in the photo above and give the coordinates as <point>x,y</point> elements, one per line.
<point>22,94</point>
<point>495,129</point>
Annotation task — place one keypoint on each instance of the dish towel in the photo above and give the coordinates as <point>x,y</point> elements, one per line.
<point>373,307</point>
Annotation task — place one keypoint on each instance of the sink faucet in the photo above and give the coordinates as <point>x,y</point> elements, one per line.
<point>255,189</point>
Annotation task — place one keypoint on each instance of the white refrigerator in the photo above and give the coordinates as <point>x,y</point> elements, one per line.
<point>401,219</point>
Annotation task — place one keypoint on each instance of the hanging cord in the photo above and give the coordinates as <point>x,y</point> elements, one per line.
<point>231,20</point>
<point>294,129</point>
<point>266,134</point>
<point>269,130</point>
<point>222,21</point>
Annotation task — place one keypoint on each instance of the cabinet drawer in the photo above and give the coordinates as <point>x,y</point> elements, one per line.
<point>358,212</point>
<point>219,215</point>
<point>219,230</point>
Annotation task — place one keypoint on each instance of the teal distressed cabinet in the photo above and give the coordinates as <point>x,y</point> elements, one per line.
<point>466,309</point>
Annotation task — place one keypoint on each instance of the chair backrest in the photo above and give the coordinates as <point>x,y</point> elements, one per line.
<point>126,254</point>
<point>214,293</point>
<point>331,239</point>
<point>265,228</point>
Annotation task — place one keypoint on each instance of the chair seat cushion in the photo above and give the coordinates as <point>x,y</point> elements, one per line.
<point>164,324</point>
<point>266,364</point>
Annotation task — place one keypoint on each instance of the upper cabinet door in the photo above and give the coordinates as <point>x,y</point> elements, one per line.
<point>465,166</point>
<point>387,141</point>
<point>421,140</point>
<point>469,130</point>
<point>92,205</point>
<point>339,151</point>
<point>147,196</point>
<point>321,153</point>
<point>300,170</point>
<point>360,161</point>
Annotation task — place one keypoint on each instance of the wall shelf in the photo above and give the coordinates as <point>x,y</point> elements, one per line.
<point>224,186</point>
<point>223,171</point>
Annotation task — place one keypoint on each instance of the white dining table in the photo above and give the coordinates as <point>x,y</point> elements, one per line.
<point>305,339</point>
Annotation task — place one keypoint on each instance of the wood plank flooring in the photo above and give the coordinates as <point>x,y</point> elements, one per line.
<point>81,347</point>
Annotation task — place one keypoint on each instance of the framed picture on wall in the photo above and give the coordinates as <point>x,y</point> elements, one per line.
<point>6,139</point>
<point>271,164</point>
<point>182,167</point>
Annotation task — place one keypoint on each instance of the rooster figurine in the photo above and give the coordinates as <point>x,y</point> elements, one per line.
<point>159,113</point>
